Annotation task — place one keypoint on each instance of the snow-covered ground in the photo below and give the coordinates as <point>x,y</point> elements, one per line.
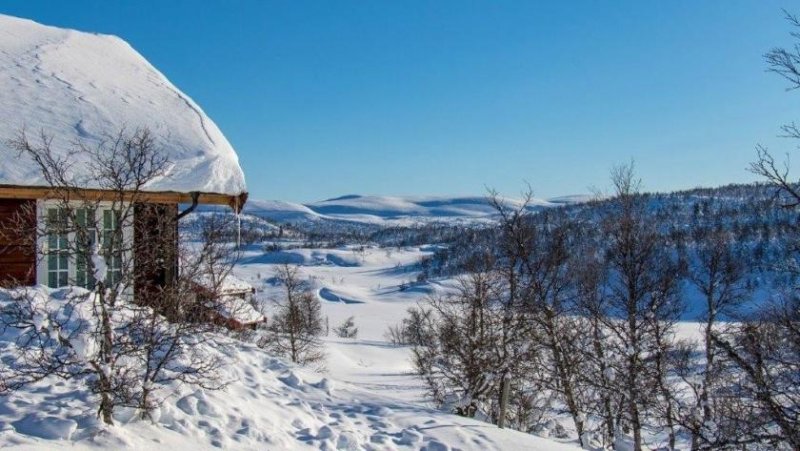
<point>366,397</point>
<point>267,405</point>
<point>365,284</point>
<point>373,285</point>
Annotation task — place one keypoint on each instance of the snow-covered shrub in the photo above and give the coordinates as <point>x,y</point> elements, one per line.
<point>347,329</point>
<point>412,330</point>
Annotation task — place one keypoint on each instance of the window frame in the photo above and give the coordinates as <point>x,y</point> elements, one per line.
<point>59,254</point>
<point>114,267</point>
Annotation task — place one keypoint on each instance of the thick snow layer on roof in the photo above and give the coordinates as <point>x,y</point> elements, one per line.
<point>82,86</point>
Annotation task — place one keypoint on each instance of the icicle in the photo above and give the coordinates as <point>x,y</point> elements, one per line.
<point>238,230</point>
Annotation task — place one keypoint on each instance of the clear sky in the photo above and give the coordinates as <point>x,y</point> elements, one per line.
<point>328,98</point>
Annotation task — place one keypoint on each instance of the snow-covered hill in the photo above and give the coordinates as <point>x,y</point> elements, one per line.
<point>281,211</point>
<point>398,207</point>
<point>73,86</point>
<point>391,210</point>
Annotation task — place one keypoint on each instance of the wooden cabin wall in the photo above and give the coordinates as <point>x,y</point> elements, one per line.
<point>155,234</point>
<point>17,242</point>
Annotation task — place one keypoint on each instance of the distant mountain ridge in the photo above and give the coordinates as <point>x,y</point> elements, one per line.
<point>393,210</point>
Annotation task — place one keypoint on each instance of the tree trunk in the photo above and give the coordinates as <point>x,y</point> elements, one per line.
<point>600,356</point>
<point>633,406</point>
<point>566,382</point>
<point>106,351</point>
<point>106,409</point>
<point>505,385</point>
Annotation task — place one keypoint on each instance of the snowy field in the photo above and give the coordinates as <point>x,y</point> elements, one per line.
<point>373,285</point>
<point>365,285</point>
<point>365,397</point>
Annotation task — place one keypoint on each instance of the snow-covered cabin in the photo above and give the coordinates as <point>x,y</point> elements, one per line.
<point>77,86</point>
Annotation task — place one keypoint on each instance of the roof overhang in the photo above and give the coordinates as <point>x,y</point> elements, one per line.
<point>236,202</point>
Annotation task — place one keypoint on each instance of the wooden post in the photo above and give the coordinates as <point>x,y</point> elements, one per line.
<point>505,385</point>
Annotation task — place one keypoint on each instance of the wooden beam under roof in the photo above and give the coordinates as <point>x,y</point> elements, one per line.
<point>236,202</point>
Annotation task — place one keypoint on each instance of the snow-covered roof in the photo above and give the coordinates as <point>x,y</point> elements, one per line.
<point>232,284</point>
<point>229,284</point>
<point>232,306</point>
<point>83,86</point>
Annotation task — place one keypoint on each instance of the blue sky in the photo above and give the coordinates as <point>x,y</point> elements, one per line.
<point>448,97</point>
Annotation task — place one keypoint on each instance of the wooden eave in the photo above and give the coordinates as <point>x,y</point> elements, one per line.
<point>236,202</point>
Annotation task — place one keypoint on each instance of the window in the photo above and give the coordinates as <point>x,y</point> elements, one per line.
<point>85,241</point>
<point>57,248</point>
<point>69,246</point>
<point>112,244</point>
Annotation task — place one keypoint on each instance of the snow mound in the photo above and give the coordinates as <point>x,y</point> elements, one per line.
<point>330,295</point>
<point>46,426</point>
<point>83,86</point>
<point>280,211</point>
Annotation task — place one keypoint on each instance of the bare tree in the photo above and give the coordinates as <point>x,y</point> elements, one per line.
<point>172,324</point>
<point>591,278</point>
<point>718,273</point>
<point>643,273</point>
<point>457,358</point>
<point>786,63</point>
<point>412,329</point>
<point>296,325</point>
<point>765,347</point>
<point>516,239</point>
<point>766,351</point>
<point>534,258</point>
<point>666,309</point>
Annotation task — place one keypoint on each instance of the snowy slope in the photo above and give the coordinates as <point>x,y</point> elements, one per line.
<point>267,405</point>
<point>82,86</point>
<point>277,210</point>
<point>386,210</point>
